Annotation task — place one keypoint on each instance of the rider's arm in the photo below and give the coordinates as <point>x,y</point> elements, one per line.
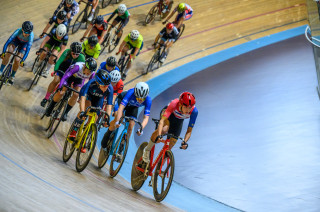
<point>28,47</point>
<point>122,45</point>
<point>97,51</point>
<point>157,38</point>
<point>147,108</point>
<point>188,134</point>
<point>102,36</point>
<point>120,112</point>
<point>59,7</point>
<point>111,16</point>
<point>161,123</point>
<point>71,70</point>
<point>192,121</point>
<point>88,30</point>
<point>171,14</point>
<point>46,28</point>
<point>61,59</point>
<point>63,47</point>
<point>13,36</point>
<point>45,40</point>
<point>145,121</point>
<point>82,103</point>
<point>109,99</point>
<point>135,52</point>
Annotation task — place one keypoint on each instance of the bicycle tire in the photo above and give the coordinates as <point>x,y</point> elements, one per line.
<point>137,179</point>
<point>151,14</point>
<point>152,62</point>
<point>5,75</point>
<point>103,155</point>
<point>35,60</point>
<point>37,74</point>
<point>164,15</point>
<point>180,32</point>
<point>78,22</point>
<point>113,172</point>
<point>48,103</point>
<point>160,196</point>
<point>112,46</point>
<point>105,3</point>
<point>65,156</point>
<point>124,64</point>
<point>105,42</point>
<point>93,129</point>
<point>120,64</point>
<point>62,107</point>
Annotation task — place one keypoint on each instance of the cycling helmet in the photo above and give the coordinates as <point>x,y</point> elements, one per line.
<point>141,90</point>
<point>187,99</point>
<point>69,1</point>
<point>27,27</point>
<point>99,19</point>
<point>122,8</point>
<point>102,77</point>
<point>62,15</point>
<point>181,7</point>
<point>93,40</point>
<point>169,26</point>
<point>91,64</point>
<point>111,61</point>
<point>76,47</point>
<point>61,30</point>
<point>115,76</point>
<point>134,34</point>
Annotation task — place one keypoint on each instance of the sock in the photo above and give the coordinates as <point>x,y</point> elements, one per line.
<point>92,11</point>
<point>149,146</point>
<point>126,71</point>
<point>51,106</point>
<point>2,67</point>
<point>13,73</point>
<point>48,67</point>
<point>47,96</point>
<point>105,139</point>
<point>68,108</point>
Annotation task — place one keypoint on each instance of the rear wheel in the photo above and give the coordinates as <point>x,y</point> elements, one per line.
<point>105,43</point>
<point>5,76</point>
<point>137,177</point>
<point>78,22</point>
<point>35,61</point>
<point>88,143</point>
<point>118,156</point>
<point>104,155</point>
<point>180,32</point>
<point>113,44</point>
<point>69,146</point>
<point>164,15</point>
<point>151,14</point>
<point>37,75</point>
<point>152,62</point>
<point>56,117</point>
<point>105,3</point>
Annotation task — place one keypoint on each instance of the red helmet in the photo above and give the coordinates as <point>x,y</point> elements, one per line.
<point>169,26</point>
<point>187,99</point>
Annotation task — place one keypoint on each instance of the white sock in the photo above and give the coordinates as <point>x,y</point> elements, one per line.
<point>48,67</point>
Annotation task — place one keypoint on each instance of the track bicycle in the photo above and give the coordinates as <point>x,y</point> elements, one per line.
<point>117,148</point>
<point>85,139</point>
<point>110,39</point>
<point>156,58</point>
<point>6,74</point>
<point>163,166</point>
<point>105,3</point>
<point>158,9</point>
<point>123,62</point>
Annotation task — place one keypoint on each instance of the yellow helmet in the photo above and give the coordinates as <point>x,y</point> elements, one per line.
<point>181,7</point>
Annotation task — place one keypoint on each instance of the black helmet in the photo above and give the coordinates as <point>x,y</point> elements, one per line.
<point>91,64</point>
<point>76,47</point>
<point>103,77</point>
<point>111,61</point>
<point>62,15</point>
<point>69,2</point>
<point>27,27</point>
<point>93,40</point>
<point>99,19</point>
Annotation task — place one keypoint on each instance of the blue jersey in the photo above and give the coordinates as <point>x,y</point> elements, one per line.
<point>92,92</point>
<point>19,35</point>
<point>103,66</point>
<point>131,100</point>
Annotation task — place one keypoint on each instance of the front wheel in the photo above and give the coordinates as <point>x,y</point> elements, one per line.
<point>78,22</point>
<point>137,177</point>
<point>164,175</point>
<point>69,146</point>
<point>113,44</point>
<point>180,32</point>
<point>152,62</point>
<point>5,75</point>
<point>104,155</point>
<point>151,14</point>
<point>56,117</point>
<point>118,156</point>
<point>105,3</point>
<point>88,144</point>
<point>37,75</point>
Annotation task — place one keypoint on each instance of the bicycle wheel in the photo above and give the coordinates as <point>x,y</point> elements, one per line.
<point>89,143</point>
<point>68,147</point>
<point>104,155</point>
<point>105,42</point>
<point>56,117</point>
<point>121,65</point>
<point>5,76</point>
<point>118,156</point>
<point>137,177</point>
<point>164,15</point>
<point>180,32</point>
<point>152,62</point>
<point>35,61</point>
<point>78,22</point>
<point>113,44</point>
<point>167,171</point>
<point>151,14</point>
<point>48,103</point>
<point>105,3</point>
<point>37,74</point>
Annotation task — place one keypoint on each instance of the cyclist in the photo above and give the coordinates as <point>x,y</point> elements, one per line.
<point>172,120</point>
<point>94,4</point>
<point>93,94</point>
<point>134,41</point>
<point>130,102</point>
<point>98,27</point>
<point>59,19</point>
<point>116,83</point>
<point>91,47</point>
<point>166,4</point>
<point>59,39</point>
<point>110,64</point>
<point>185,12</point>
<point>70,6</point>
<point>68,58</point>
<point>122,18</point>
<point>75,77</point>
<point>22,39</point>
<point>168,35</point>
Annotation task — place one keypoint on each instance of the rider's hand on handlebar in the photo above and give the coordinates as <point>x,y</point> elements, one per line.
<point>38,52</point>
<point>164,22</point>
<point>139,133</point>
<point>184,145</point>
<point>82,39</point>
<point>118,52</point>
<point>21,63</point>
<point>41,36</point>
<point>82,115</point>
<point>117,124</point>
<point>2,55</point>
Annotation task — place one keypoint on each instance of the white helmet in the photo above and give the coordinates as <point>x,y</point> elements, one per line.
<point>122,8</point>
<point>115,76</point>
<point>141,90</point>
<point>134,34</point>
<point>61,30</point>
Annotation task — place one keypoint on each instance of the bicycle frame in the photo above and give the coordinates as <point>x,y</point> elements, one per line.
<point>115,140</point>
<point>84,133</point>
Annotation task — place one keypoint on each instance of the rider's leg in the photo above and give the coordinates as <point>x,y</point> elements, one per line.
<point>53,84</point>
<point>72,101</point>
<point>93,32</point>
<point>7,56</point>
<point>57,97</point>
<point>51,62</point>
<point>94,6</point>
<point>78,121</point>
<point>106,136</point>
<point>130,128</point>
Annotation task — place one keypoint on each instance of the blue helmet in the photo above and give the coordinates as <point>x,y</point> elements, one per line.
<point>103,77</point>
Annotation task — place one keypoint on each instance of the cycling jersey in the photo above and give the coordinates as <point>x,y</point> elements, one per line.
<point>187,14</point>
<point>131,100</point>
<point>100,29</point>
<point>24,43</point>
<point>103,66</point>
<point>124,19</point>
<point>66,60</point>
<point>73,9</point>
<point>93,52</point>
<point>54,41</point>
<point>171,36</point>
<point>137,43</point>
<point>118,88</point>
<point>76,72</point>
<point>54,20</point>
<point>93,93</point>
<point>174,108</point>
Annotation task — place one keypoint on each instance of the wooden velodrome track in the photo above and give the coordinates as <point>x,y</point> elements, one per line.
<point>33,176</point>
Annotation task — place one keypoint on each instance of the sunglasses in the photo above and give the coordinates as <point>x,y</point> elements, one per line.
<point>75,54</point>
<point>140,99</point>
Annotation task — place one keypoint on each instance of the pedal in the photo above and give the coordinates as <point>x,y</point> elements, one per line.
<point>146,171</point>
<point>150,183</point>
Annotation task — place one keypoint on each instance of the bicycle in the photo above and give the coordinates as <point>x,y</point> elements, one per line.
<point>181,30</point>
<point>158,9</point>
<point>116,147</point>
<point>105,3</point>
<point>157,56</point>
<point>83,16</point>
<point>163,165</point>
<point>41,67</point>
<point>8,70</point>
<point>110,39</point>
<point>123,62</point>
<point>58,111</point>
<point>86,138</point>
